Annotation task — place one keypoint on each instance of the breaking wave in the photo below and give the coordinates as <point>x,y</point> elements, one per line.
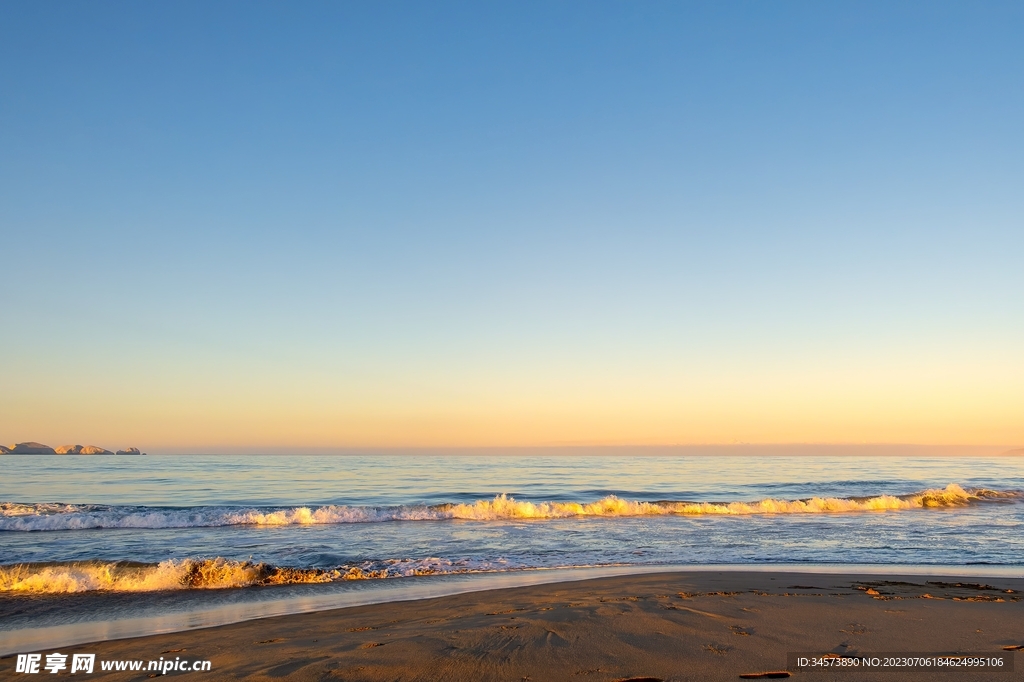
<point>219,573</point>
<point>57,516</point>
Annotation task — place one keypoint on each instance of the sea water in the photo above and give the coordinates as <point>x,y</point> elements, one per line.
<point>78,523</point>
<point>101,547</point>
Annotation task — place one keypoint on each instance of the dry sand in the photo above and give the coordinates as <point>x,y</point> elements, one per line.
<point>669,626</point>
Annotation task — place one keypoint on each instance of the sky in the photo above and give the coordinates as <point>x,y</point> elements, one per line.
<point>264,226</point>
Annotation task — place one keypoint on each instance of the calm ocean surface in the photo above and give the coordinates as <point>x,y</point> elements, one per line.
<point>76,523</point>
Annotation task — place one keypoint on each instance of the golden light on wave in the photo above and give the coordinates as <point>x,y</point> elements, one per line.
<point>220,573</point>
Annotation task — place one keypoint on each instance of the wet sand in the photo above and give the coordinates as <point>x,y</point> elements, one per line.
<point>667,626</point>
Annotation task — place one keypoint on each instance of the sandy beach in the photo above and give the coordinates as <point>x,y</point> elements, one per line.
<point>674,626</point>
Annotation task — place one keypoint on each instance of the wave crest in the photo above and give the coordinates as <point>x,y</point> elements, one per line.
<point>219,573</point>
<point>56,516</point>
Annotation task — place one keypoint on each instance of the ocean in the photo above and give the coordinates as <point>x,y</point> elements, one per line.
<point>163,527</point>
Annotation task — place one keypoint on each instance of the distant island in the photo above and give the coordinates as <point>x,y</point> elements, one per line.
<point>33,448</point>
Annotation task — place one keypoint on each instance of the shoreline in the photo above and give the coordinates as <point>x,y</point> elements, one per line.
<point>138,614</point>
<point>749,619</point>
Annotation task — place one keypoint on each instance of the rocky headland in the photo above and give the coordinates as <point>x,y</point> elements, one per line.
<point>33,448</point>
<point>81,450</point>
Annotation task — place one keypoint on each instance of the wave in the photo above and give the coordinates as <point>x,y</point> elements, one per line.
<point>219,573</point>
<point>51,516</point>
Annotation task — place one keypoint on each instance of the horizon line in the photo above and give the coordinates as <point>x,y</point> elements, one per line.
<point>575,448</point>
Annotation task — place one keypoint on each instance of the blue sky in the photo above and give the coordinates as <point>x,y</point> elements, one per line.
<point>236,224</point>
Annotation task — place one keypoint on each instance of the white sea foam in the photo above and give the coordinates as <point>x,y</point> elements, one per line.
<point>219,573</point>
<point>55,516</point>
<point>38,508</point>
